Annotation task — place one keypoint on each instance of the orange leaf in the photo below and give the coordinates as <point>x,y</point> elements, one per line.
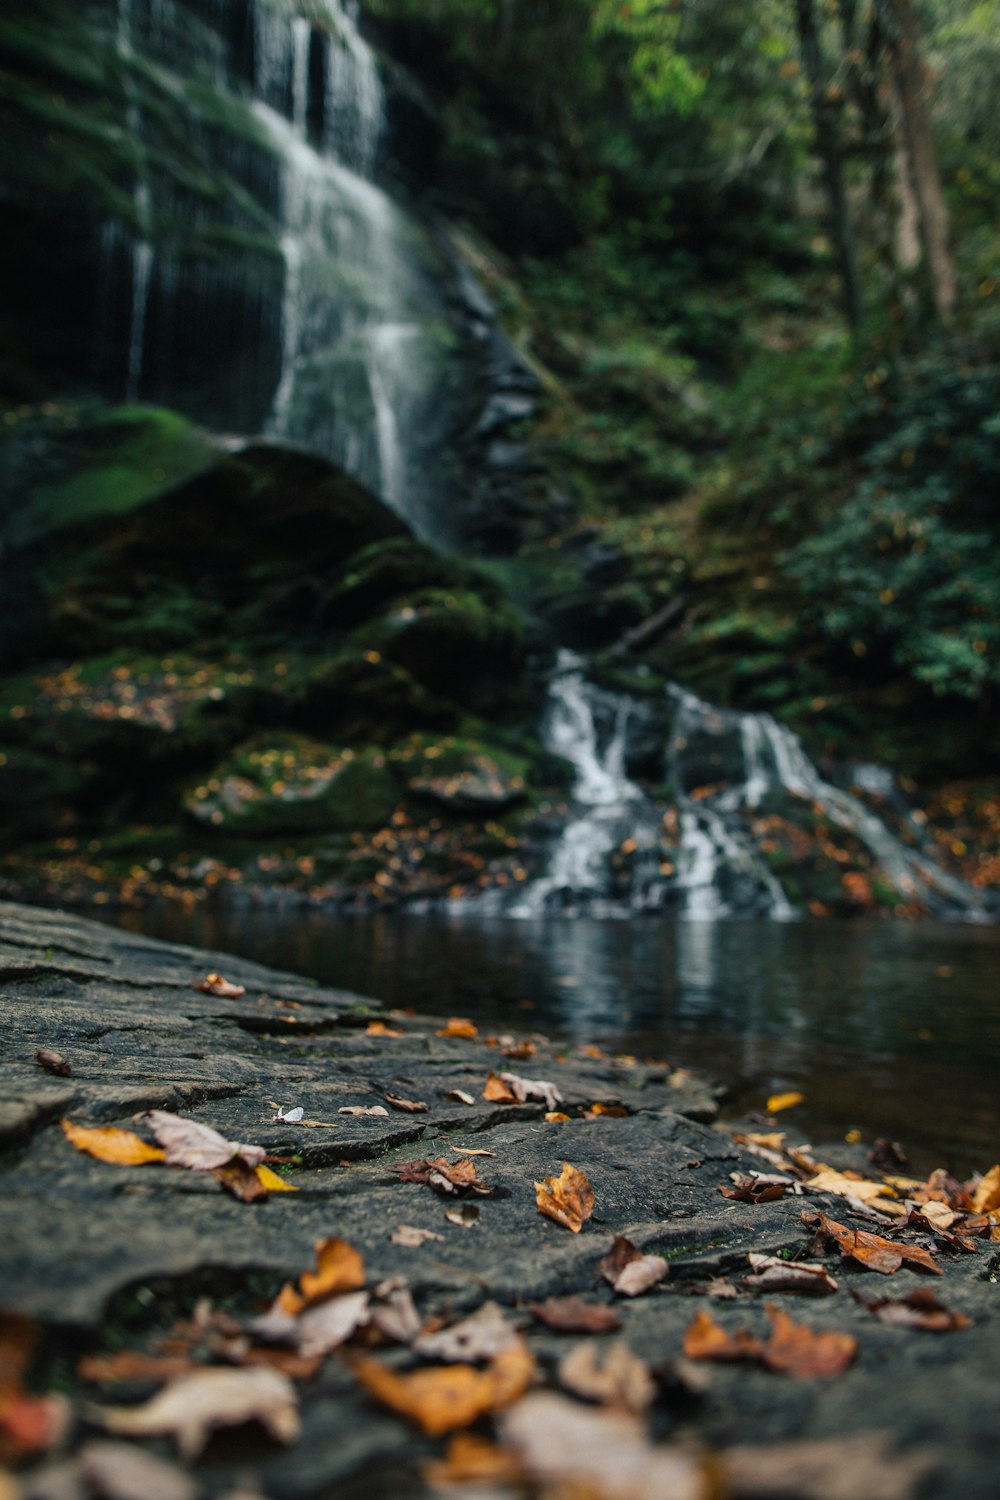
<point>870,1250</point>
<point>704,1338</point>
<point>472,1459</point>
<point>497,1091</point>
<point>339,1268</point>
<point>132,1365</point>
<point>451,1396</point>
<point>214,984</point>
<point>799,1351</point>
<point>458,1026</point>
<point>123,1148</point>
<point>568,1198</point>
<point>987,1194</point>
<point>379,1028</point>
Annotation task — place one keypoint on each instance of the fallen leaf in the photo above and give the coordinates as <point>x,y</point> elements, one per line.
<point>870,1250</point>
<point>131,1365</point>
<point>554,1116</point>
<point>568,1198</point>
<point>28,1424</point>
<point>188,1143</point>
<point>571,1450</point>
<point>122,1148</point>
<point>444,1176</point>
<point>519,1051</point>
<point>192,1406</point>
<point>704,1338</point>
<point>495,1091</point>
<point>339,1268</point>
<point>808,1355</point>
<point>777,1102</point>
<point>867,1465</point>
<point>460,1096</point>
<point>970,1226</point>
<point>470,1459</point>
<point>379,1028</point>
<point>465,1215</point>
<point>393,1310</point>
<point>479,1337</point>
<point>772,1274</point>
<point>628,1270</point>
<point>526,1090</point>
<point>451,1396</point>
<point>411,1237</point>
<point>458,1026</point>
<point>609,1374</point>
<point>987,1195</point>
<point>613,1111</point>
<point>273,1182</point>
<point>241,1180</point>
<point>406,1106</point>
<point>364,1109</point>
<point>52,1062</point>
<point>214,984</point>
<point>330,1324</point>
<point>829,1181</point>
<point>121,1471</point>
<point>936,1215</point>
<point>758,1187</point>
<point>918,1309</point>
<point>470,1150</point>
<point>574,1315</point>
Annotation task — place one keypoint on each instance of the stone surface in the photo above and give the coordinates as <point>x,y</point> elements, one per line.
<point>106,1257</point>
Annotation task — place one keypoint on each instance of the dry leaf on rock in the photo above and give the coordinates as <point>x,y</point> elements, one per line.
<point>130,1365</point>
<point>465,1215</point>
<point>455,1177</point>
<point>191,1407</point>
<point>777,1102</point>
<point>609,1374</point>
<point>121,1471</point>
<point>479,1337</point>
<point>527,1090</point>
<point>628,1270</point>
<point>214,984</point>
<point>364,1109</point>
<point>339,1268</point>
<point>379,1028</point>
<point>406,1106</point>
<point>470,1459</point>
<point>188,1143</point>
<point>855,1466</point>
<point>918,1309</point>
<point>393,1310</point>
<point>827,1180</point>
<point>970,1225</point>
<point>330,1324</point>
<point>554,1117</point>
<point>519,1051</point>
<point>458,1026</point>
<point>759,1187</point>
<point>52,1062</point>
<point>704,1338</point>
<point>452,1396</point>
<point>470,1150</point>
<point>986,1196</point>
<point>568,1198</point>
<point>411,1237</point>
<point>460,1096</point>
<point>241,1180</point>
<point>122,1148</point>
<point>574,1315</point>
<point>808,1355</point>
<point>273,1182</point>
<point>612,1111</point>
<point>870,1250</point>
<point>571,1450</point>
<point>28,1424</point>
<point>495,1091</point>
<point>772,1274</point>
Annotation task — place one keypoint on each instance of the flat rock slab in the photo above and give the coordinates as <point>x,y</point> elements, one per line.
<point>106,1257</point>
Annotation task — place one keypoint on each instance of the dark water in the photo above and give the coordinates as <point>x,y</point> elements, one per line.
<point>892,1029</point>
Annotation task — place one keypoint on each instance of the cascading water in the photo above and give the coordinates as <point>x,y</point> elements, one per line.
<point>723,767</point>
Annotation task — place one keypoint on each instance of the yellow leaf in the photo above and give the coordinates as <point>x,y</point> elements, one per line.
<point>987,1194</point>
<point>568,1198</point>
<point>339,1268</point>
<point>123,1148</point>
<point>778,1102</point>
<point>273,1182</point>
<point>451,1396</point>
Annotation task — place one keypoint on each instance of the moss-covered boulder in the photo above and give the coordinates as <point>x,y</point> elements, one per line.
<point>277,784</point>
<point>463,776</point>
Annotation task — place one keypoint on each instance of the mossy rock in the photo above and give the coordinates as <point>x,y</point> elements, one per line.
<point>463,776</point>
<point>363,697</point>
<point>276,784</point>
<point>455,642</point>
<point>386,569</point>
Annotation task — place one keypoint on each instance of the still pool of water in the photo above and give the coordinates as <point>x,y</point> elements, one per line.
<point>892,1029</point>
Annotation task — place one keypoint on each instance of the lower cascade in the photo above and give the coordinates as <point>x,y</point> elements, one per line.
<point>708,851</point>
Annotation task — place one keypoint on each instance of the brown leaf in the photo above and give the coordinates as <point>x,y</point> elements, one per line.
<point>339,1268</point>
<point>445,1177</point>
<point>122,1148</point>
<point>859,1468</point>
<point>772,1274</point>
<point>704,1338</point>
<point>458,1026</point>
<point>129,1365</point>
<point>379,1028</point>
<point>52,1062</point>
<point>214,984</point>
<point>628,1270</point>
<point>918,1309</point>
<point>610,1374</point>
<point>451,1396</point>
<point>411,1238</point>
<point>987,1195</point>
<point>495,1091</point>
<point>191,1407</point>
<point>798,1351</point>
<point>574,1315</point>
<point>188,1143</point>
<point>758,1187</point>
<point>406,1106</point>
<point>470,1459</point>
<point>519,1051</point>
<point>478,1337</point>
<point>568,1198</point>
<point>465,1215</point>
<point>460,1096</point>
<point>870,1250</point>
<point>241,1180</point>
<point>364,1109</point>
<point>612,1111</point>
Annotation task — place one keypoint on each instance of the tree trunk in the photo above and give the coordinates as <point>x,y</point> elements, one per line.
<point>825,112</point>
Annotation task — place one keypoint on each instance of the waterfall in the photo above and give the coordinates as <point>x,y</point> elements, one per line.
<point>142,252</point>
<point>723,767</point>
<point>589,728</point>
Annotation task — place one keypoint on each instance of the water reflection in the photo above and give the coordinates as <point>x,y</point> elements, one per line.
<point>890,1028</point>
